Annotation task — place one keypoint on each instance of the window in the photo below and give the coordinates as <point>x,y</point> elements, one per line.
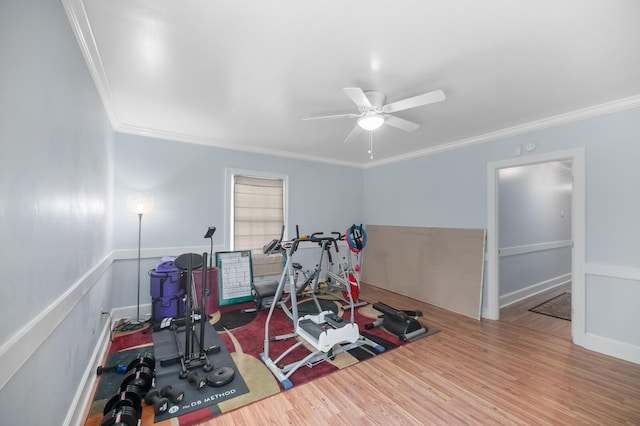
<point>257,217</point>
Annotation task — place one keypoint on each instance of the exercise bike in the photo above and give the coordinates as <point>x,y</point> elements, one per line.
<point>344,275</point>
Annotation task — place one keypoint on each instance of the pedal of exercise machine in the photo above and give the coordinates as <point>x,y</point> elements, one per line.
<point>403,324</point>
<point>325,330</point>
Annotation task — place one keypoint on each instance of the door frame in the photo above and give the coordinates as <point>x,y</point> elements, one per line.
<point>577,158</point>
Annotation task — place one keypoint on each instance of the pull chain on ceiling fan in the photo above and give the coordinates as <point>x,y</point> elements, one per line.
<point>370,152</point>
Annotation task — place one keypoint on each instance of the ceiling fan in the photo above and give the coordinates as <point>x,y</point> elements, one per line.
<point>373,112</point>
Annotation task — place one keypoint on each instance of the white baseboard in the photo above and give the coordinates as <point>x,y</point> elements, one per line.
<point>82,399</point>
<point>612,348</point>
<point>80,405</point>
<point>128,312</point>
<point>518,295</point>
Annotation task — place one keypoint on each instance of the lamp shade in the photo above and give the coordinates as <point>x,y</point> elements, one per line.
<point>139,204</point>
<point>370,121</point>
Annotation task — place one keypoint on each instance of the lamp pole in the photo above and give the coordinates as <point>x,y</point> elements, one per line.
<point>139,244</point>
<point>139,205</point>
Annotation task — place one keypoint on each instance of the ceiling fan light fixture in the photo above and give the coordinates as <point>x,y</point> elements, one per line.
<point>370,121</point>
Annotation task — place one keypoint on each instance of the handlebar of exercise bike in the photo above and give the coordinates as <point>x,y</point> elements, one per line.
<point>317,237</point>
<point>312,239</point>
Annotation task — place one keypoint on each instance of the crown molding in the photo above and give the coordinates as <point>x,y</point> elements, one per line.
<point>77,15</point>
<point>545,123</point>
<point>180,137</point>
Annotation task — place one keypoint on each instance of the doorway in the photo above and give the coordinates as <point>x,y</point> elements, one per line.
<point>575,157</point>
<point>534,246</point>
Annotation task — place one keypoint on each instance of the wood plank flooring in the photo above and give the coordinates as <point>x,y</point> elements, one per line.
<point>470,373</point>
<point>518,313</point>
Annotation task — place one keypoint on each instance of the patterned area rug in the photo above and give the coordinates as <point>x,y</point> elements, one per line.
<point>243,334</point>
<point>558,307</point>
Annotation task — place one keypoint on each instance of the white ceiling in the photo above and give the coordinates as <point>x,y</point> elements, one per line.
<point>243,74</point>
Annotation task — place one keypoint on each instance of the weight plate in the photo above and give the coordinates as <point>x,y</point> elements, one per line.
<point>221,376</point>
<point>123,415</point>
<point>147,359</point>
<point>124,399</point>
<point>140,376</point>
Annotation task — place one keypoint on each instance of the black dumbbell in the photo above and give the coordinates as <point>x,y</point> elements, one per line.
<point>128,397</point>
<point>174,395</point>
<point>198,382</point>
<point>141,377</point>
<point>146,359</point>
<point>122,416</point>
<point>160,403</point>
<point>119,368</point>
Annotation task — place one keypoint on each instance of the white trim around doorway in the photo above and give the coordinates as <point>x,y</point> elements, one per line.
<point>577,157</point>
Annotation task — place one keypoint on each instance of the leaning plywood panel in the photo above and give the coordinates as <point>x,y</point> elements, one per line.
<point>440,266</point>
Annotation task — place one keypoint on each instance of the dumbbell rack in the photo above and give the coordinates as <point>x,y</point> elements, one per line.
<point>125,407</point>
<point>188,357</point>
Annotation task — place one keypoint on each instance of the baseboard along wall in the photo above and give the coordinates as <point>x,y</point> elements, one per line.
<point>518,295</point>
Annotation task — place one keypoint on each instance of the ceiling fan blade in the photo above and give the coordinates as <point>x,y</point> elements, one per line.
<point>401,123</point>
<point>357,95</point>
<point>332,116</point>
<point>416,101</point>
<point>354,133</point>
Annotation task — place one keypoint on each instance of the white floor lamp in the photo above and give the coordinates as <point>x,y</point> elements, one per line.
<point>139,205</point>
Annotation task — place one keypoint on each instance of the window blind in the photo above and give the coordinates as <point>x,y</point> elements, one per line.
<point>258,216</point>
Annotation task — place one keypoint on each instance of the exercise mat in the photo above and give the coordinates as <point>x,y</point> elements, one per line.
<point>195,399</point>
<point>233,319</point>
<point>245,344</point>
<point>308,307</point>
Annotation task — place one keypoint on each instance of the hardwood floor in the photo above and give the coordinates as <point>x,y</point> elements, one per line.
<point>518,313</point>
<point>471,372</point>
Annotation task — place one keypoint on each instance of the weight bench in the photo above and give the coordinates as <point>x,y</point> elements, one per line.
<point>403,324</point>
<point>264,291</point>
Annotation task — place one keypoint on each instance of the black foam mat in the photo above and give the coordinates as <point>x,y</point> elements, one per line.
<point>234,319</point>
<point>195,399</point>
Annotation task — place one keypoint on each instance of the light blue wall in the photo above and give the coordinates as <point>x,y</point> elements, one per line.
<point>448,189</point>
<point>445,190</point>
<point>56,183</point>
<point>525,274</point>
<point>534,204</point>
<point>612,306</point>
<point>187,182</point>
